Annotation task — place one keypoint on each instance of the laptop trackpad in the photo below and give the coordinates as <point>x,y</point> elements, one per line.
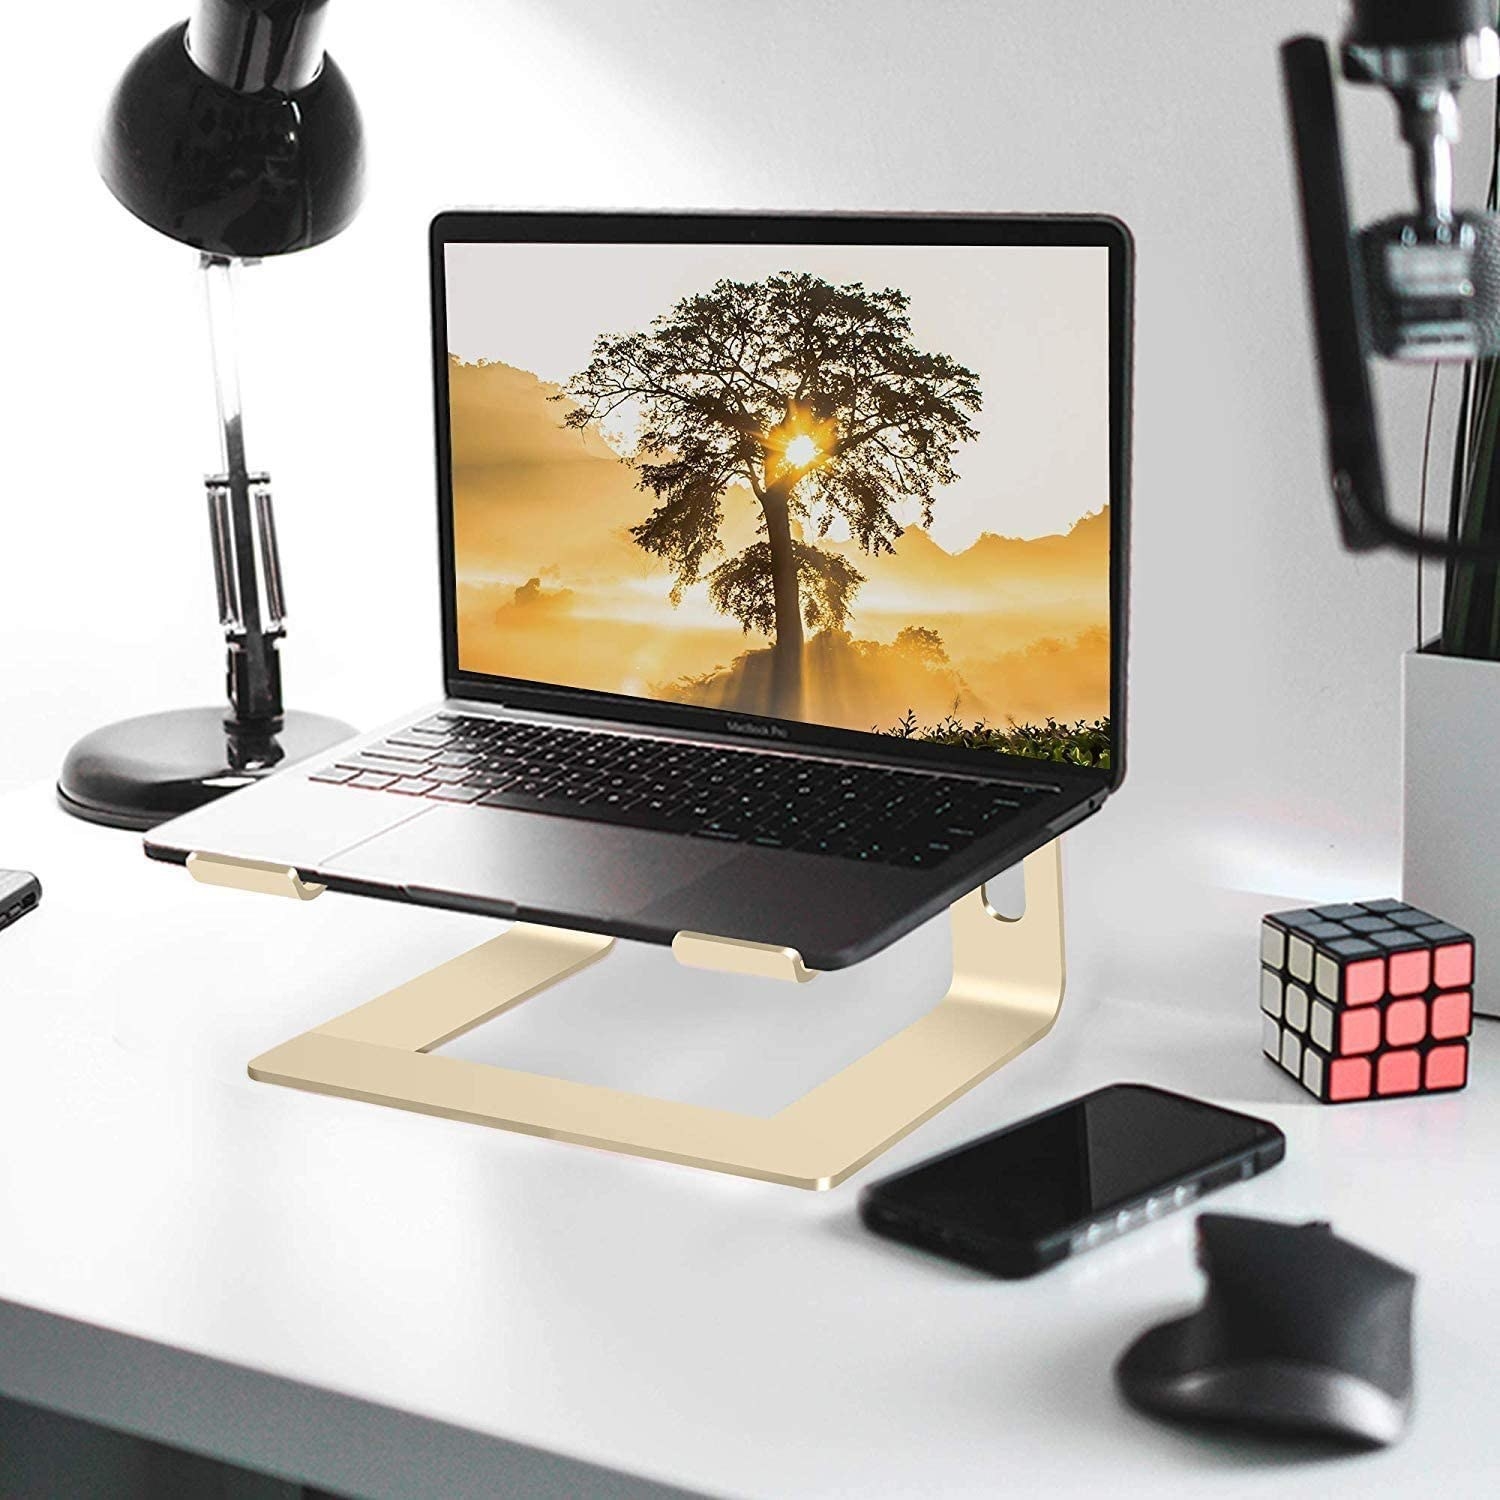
<point>529,860</point>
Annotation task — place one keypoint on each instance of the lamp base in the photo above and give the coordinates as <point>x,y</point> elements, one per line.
<point>140,772</point>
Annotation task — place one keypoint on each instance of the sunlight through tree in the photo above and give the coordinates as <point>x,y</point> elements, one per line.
<point>815,398</point>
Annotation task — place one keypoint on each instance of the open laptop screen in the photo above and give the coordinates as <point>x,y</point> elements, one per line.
<point>860,486</point>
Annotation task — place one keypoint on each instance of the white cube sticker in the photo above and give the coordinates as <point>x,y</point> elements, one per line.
<point>1322,1025</point>
<point>1299,958</point>
<point>1270,1039</point>
<point>1328,977</point>
<point>1312,1072</point>
<point>1291,1053</point>
<point>1296,1007</point>
<point>1272,945</point>
<point>1270,993</point>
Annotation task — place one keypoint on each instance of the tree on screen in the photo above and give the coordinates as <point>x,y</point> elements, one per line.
<point>815,398</point>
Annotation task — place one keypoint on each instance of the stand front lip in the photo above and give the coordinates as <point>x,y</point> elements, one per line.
<point>1005,995</point>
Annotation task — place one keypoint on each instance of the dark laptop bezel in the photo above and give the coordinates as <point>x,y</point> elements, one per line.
<point>813,229</point>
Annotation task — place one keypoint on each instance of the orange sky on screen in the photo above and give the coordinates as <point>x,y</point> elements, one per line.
<point>552,588</point>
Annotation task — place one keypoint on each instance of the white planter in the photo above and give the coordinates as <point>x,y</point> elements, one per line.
<point>1450,709</point>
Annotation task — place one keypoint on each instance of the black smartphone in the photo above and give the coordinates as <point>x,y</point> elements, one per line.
<point>1022,1199</point>
<point>20,891</point>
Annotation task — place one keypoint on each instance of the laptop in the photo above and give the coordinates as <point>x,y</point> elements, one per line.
<point>783,568</point>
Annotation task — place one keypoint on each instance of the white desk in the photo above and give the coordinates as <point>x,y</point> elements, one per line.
<point>386,1304</point>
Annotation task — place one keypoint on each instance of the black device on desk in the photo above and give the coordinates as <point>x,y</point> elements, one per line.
<point>20,891</point>
<point>1015,1202</point>
<point>1301,1333</point>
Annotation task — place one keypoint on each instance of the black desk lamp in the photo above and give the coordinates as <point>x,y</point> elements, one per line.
<point>237,134</point>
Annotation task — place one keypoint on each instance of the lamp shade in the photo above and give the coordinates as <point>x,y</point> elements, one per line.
<point>236,133</point>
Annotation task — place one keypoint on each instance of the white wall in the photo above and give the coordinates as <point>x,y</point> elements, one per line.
<point>1264,672</point>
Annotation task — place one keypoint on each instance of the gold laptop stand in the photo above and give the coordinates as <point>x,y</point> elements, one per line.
<point>1006,993</point>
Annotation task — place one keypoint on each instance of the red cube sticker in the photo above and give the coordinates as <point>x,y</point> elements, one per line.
<point>1453,966</point>
<point>1359,1031</point>
<point>1448,1067</point>
<point>1452,1015</point>
<point>1405,1022</point>
<point>1349,1078</point>
<point>1398,1073</point>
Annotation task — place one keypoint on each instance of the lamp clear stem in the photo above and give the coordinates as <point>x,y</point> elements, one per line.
<point>247,567</point>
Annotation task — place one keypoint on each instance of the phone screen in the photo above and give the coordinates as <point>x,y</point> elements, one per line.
<point>1076,1162</point>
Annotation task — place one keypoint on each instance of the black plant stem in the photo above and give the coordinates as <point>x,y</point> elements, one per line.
<point>1470,627</point>
<point>1466,447</point>
<point>1471,598</point>
<point>1463,441</point>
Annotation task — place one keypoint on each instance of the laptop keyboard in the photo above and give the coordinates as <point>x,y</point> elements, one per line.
<point>841,810</point>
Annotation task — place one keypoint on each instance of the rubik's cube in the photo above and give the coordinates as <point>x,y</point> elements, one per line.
<point>1367,999</point>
